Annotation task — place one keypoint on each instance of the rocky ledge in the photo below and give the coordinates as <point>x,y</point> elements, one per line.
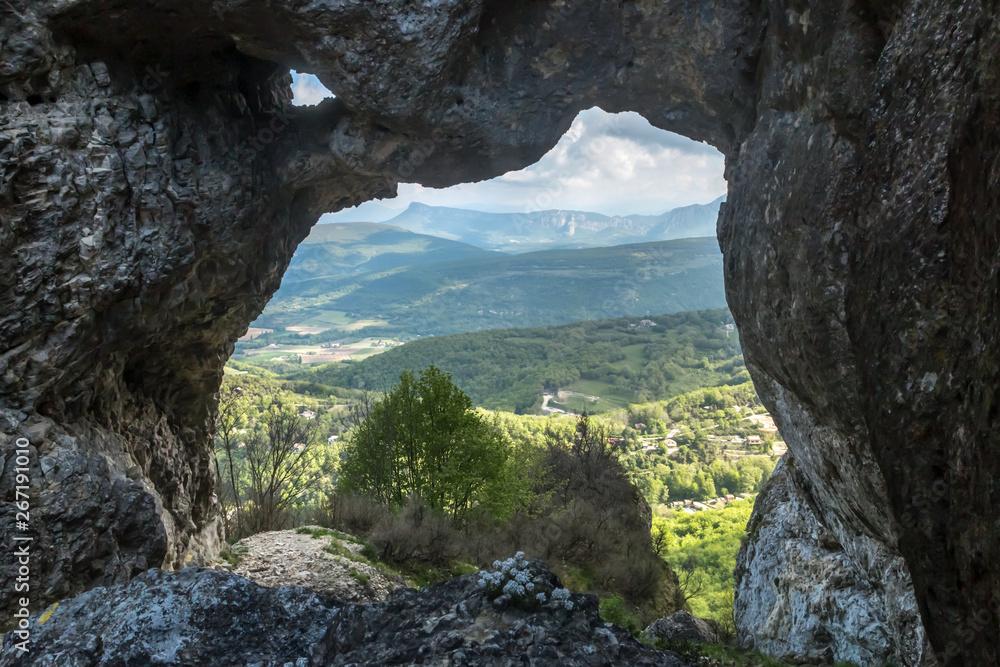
<point>207,617</point>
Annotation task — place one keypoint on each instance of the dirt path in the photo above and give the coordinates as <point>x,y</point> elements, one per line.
<point>288,557</point>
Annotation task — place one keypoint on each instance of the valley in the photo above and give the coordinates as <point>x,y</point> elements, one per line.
<point>636,336</point>
<point>357,289</point>
<point>593,366</point>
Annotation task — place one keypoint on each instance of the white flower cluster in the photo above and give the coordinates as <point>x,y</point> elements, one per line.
<point>561,596</point>
<point>511,579</point>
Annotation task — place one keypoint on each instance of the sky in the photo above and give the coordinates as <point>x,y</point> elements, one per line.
<point>611,163</point>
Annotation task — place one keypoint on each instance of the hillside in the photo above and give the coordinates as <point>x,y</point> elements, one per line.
<point>420,296</point>
<point>522,232</point>
<point>592,366</point>
<point>345,249</point>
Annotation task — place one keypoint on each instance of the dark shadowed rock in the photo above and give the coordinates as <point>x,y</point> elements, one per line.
<point>457,623</point>
<point>208,617</point>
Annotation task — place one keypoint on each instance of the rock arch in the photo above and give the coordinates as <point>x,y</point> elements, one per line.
<point>156,181</point>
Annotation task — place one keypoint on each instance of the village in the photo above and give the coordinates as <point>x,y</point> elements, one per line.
<point>694,506</point>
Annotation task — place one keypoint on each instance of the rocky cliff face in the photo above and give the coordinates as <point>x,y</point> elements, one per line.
<point>155,182</point>
<point>803,595</point>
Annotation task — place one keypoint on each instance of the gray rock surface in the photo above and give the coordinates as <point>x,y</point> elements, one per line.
<point>154,182</point>
<point>289,558</point>
<point>191,617</point>
<point>207,617</point>
<point>804,597</point>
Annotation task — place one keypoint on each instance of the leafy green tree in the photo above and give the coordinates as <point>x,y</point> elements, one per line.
<point>424,439</point>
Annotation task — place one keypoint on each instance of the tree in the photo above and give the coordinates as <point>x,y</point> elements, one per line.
<point>280,458</point>
<point>229,422</point>
<point>424,439</point>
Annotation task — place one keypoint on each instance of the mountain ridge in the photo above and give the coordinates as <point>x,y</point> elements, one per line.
<point>444,294</point>
<point>554,228</point>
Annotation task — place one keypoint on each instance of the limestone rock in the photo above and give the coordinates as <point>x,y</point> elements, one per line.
<point>804,597</point>
<point>207,617</point>
<point>455,623</point>
<point>287,558</point>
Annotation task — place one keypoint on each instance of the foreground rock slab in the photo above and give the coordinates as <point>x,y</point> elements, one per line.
<point>208,617</point>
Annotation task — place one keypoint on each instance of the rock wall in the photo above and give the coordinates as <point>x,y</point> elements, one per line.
<point>144,225</point>
<point>860,268</point>
<point>155,182</point>
<point>803,596</point>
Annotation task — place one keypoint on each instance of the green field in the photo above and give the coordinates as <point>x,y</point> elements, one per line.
<point>581,396</point>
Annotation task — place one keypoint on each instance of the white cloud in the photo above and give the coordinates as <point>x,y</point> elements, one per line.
<point>308,90</point>
<point>607,163</point>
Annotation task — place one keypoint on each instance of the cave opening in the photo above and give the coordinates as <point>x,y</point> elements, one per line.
<point>615,227</point>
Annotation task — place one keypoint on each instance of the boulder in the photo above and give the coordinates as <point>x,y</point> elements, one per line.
<point>682,626</point>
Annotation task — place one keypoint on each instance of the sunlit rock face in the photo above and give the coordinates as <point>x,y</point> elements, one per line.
<point>156,180</point>
<point>807,593</point>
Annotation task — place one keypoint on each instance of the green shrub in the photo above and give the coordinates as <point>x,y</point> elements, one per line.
<point>614,609</point>
<point>416,534</point>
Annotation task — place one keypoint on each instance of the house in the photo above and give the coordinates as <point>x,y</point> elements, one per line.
<point>754,440</point>
<point>307,414</point>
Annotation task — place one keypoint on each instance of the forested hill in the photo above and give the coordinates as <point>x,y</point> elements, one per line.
<point>358,248</point>
<point>598,365</point>
<point>492,291</point>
